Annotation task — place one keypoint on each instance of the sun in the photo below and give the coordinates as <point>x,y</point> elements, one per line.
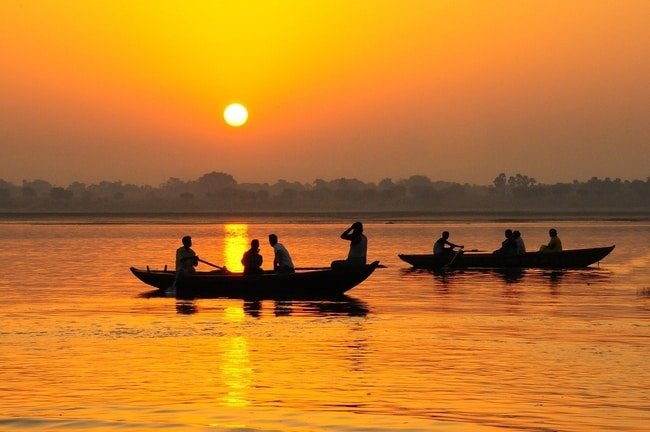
<point>235,114</point>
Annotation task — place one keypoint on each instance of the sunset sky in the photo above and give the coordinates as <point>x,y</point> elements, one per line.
<point>454,90</point>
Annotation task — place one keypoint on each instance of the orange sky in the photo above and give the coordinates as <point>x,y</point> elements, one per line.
<point>454,90</point>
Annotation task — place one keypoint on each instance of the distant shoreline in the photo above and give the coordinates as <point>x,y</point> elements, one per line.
<point>387,217</point>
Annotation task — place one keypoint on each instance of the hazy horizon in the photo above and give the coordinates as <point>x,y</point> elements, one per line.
<point>221,192</point>
<point>239,182</point>
<point>455,91</point>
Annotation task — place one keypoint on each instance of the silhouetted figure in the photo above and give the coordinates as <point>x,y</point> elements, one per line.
<point>554,245</point>
<point>508,246</point>
<point>440,245</point>
<point>186,258</point>
<point>281,259</point>
<point>252,260</point>
<point>358,247</point>
<point>519,242</point>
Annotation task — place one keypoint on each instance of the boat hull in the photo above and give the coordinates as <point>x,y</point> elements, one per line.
<point>325,283</point>
<point>573,258</point>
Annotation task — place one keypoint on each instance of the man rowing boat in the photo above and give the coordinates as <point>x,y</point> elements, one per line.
<point>186,258</point>
<point>439,247</point>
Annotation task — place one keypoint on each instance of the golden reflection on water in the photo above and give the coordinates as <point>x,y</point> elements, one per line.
<point>235,243</point>
<point>234,314</point>
<point>236,372</point>
<point>633,264</point>
<point>235,363</point>
<point>416,350</point>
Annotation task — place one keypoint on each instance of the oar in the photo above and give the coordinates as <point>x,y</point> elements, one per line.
<point>454,257</point>
<point>173,285</point>
<point>178,272</point>
<point>212,265</point>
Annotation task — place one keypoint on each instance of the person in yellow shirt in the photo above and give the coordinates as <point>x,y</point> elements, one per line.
<point>554,245</point>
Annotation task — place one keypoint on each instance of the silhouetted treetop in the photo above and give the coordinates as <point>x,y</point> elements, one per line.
<point>217,191</point>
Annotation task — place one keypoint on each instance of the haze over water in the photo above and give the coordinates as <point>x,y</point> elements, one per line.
<point>86,347</point>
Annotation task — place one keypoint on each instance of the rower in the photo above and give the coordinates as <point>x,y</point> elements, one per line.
<point>439,247</point>
<point>186,258</point>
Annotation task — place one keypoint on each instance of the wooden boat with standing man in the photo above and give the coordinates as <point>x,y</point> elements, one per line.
<point>305,283</point>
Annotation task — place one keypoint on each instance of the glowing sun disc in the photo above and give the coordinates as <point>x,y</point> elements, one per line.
<point>235,114</point>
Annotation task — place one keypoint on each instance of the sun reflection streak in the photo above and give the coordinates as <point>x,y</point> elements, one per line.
<point>235,363</point>
<point>236,372</point>
<point>234,314</point>
<point>235,243</point>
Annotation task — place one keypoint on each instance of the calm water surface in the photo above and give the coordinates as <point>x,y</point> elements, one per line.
<point>85,347</point>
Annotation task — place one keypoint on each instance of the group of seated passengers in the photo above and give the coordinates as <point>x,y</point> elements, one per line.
<point>252,259</point>
<point>513,244</point>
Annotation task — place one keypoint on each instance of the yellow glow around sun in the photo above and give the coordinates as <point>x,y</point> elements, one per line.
<point>235,114</point>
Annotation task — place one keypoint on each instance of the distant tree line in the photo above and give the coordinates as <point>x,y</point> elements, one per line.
<point>220,192</point>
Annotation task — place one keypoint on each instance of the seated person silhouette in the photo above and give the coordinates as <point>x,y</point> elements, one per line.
<point>554,244</point>
<point>252,260</point>
<point>358,247</point>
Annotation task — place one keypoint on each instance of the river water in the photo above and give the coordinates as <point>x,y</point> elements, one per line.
<point>85,346</point>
